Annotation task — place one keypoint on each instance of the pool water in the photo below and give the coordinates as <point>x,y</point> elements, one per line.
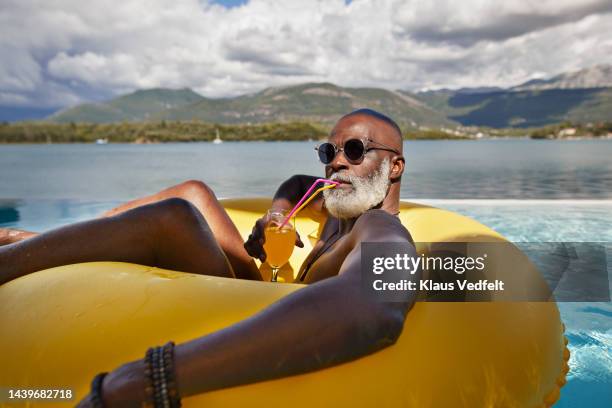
<point>588,325</point>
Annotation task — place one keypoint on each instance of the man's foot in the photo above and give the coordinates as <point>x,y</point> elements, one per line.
<point>10,235</point>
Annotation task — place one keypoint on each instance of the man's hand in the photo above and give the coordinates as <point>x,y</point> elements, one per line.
<point>123,387</point>
<point>255,242</point>
<point>287,195</point>
<point>85,402</point>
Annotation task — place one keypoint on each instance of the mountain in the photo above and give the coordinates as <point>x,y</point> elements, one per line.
<point>137,106</point>
<point>582,96</point>
<point>523,108</point>
<point>479,90</point>
<point>599,76</point>
<point>317,102</point>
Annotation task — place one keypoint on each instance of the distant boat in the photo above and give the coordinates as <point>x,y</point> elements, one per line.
<point>218,138</point>
<point>101,141</point>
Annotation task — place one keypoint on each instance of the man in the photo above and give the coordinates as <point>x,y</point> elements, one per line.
<point>185,228</point>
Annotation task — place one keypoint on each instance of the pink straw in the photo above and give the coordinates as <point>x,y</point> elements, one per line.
<point>321,180</point>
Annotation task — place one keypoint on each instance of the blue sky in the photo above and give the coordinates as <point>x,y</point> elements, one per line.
<point>230,3</point>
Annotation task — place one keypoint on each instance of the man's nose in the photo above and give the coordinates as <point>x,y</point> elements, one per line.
<point>338,163</point>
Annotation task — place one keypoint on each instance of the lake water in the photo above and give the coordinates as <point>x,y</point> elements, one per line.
<point>514,169</point>
<point>530,191</point>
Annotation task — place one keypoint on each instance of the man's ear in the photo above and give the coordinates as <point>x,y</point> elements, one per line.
<point>397,168</point>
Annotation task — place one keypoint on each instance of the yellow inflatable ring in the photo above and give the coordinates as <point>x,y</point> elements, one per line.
<point>63,325</point>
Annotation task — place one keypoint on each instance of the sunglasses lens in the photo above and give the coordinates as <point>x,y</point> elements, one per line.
<point>353,149</point>
<point>326,153</point>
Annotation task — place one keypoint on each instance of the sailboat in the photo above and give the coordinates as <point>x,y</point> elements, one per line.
<point>218,138</point>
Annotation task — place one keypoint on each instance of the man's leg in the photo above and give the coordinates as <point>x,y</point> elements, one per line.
<point>203,198</point>
<point>222,226</point>
<point>169,234</point>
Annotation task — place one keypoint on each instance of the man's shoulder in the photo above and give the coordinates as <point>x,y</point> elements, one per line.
<point>377,217</point>
<point>377,224</point>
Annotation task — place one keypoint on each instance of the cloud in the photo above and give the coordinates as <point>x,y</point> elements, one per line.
<point>57,53</point>
<point>543,53</point>
<point>482,20</point>
<point>19,71</point>
<point>106,70</point>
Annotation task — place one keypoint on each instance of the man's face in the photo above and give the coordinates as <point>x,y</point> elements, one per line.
<point>364,184</point>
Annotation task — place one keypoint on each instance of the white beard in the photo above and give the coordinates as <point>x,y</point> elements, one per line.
<point>367,192</point>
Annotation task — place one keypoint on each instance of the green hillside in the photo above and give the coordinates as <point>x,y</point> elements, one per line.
<point>321,103</point>
<point>137,106</point>
<point>524,108</point>
<point>324,103</point>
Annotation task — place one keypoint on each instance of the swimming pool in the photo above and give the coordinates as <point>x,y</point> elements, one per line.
<point>589,325</point>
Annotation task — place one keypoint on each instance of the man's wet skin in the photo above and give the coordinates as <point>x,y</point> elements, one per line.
<point>185,228</point>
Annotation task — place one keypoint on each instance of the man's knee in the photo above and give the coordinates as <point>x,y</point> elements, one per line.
<point>175,212</point>
<point>197,189</point>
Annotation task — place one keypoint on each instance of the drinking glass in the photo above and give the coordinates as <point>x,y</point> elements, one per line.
<point>279,241</point>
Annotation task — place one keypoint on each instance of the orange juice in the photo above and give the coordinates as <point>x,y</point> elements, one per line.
<point>279,244</point>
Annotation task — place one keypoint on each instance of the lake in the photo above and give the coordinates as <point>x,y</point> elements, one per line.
<point>486,169</point>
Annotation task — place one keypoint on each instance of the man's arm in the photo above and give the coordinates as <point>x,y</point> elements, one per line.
<point>291,190</point>
<point>324,324</point>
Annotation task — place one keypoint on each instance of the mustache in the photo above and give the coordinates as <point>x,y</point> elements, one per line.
<point>341,177</point>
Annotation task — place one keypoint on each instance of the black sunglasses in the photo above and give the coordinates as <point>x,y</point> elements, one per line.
<point>354,150</point>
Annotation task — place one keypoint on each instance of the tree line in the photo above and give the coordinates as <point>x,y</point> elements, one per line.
<point>155,132</point>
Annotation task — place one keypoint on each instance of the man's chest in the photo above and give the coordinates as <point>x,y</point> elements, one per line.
<point>326,258</point>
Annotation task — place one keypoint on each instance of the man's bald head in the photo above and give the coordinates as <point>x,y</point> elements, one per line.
<point>380,117</point>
